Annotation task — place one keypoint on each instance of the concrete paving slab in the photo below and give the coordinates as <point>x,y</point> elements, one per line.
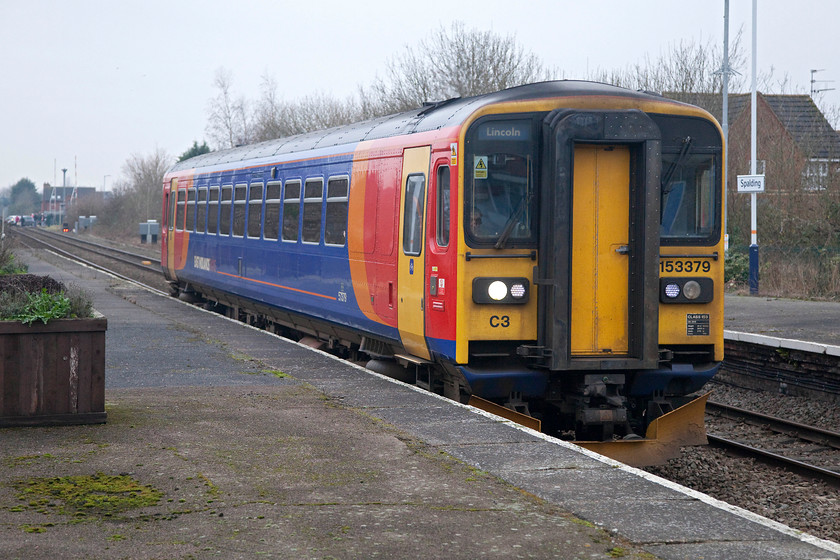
<point>393,396</point>
<point>523,457</point>
<point>591,485</point>
<point>441,426</point>
<point>790,550</point>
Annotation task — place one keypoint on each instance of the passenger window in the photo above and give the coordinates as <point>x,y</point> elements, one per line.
<point>170,208</point>
<point>313,195</point>
<point>213,211</point>
<point>291,211</point>
<point>190,210</point>
<point>201,211</point>
<point>255,195</point>
<point>224,210</point>
<point>415,188</point>
<point>181,215</point>
<point>240,202</point>
<point>443,206</point>
<point>335,226</point>
<point>271,221</point>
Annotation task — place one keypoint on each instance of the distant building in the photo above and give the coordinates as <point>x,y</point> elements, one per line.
<point>55,201</point>
<point>797,148</point>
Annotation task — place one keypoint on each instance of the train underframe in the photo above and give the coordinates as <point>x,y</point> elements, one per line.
<point>600,407</point>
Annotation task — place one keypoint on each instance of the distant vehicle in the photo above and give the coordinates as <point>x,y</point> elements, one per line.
<point>27,221</point>
<point>12,220</point>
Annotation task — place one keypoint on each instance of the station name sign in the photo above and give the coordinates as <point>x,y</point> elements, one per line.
<point>750,183</point>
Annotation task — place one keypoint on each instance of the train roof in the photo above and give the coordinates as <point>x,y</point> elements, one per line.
<point>423,119</point>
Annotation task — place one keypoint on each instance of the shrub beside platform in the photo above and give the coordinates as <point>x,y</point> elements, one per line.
<point>52,374</point>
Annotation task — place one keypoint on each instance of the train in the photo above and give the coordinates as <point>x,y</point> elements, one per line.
<point>551,252</point>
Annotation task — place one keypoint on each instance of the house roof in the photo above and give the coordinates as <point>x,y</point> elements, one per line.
<point>808,126</point>
<point>798,114</point>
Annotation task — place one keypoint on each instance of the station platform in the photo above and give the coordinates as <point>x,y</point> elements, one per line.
<point>811,326</point>
<point>263,447</point>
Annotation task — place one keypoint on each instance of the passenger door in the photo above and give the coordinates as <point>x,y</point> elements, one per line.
<point>411,260</point>
<point>169,225</point>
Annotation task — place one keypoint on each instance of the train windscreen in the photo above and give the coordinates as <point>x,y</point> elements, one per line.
<point>500,201</point>
<point>690,196</point>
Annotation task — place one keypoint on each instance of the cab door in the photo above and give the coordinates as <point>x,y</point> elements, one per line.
<point>411,275</point>
<point>600,250</point>
<point>599,241</point>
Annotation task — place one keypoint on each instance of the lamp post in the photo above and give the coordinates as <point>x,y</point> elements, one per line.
<point>63,196</point>
<point>754,198</point>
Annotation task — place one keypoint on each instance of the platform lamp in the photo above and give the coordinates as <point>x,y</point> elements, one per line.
<point>753,276</point>
<point>63,195</point>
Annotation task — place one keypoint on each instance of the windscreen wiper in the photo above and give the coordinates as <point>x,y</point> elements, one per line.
<point>512,221</point>
<point>666,178</point>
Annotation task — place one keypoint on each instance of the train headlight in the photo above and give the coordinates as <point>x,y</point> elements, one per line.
<point>497,290</point>
<point>691,290</point>
<point>500,290</point>
<point>686,290</point>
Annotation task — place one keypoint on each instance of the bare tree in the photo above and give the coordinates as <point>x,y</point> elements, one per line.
<point>687,67</point>
<point>142,185</point>
<point>274,118</point>
<point>268,113</point>
<point>228,123</point>
<point>450,63</point>
<point>455,62</point>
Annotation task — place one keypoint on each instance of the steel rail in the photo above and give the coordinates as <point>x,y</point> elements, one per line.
<point>780,425</point>
<point>806,469</point>
<point>73,240</point>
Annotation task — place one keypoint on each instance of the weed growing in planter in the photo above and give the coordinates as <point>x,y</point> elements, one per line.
<point>28,298</point>
<point>44,306</point>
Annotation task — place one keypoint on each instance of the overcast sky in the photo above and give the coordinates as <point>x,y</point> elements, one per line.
<point>86,84</point>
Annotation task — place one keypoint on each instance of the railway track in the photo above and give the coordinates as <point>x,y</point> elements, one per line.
<point>806,450</point>
<point>128,265</point>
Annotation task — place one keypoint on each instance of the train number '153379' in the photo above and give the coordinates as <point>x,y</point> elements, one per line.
<point>685,266</point>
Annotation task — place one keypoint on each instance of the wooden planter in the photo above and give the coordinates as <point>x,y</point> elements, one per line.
<point>52,374</point>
